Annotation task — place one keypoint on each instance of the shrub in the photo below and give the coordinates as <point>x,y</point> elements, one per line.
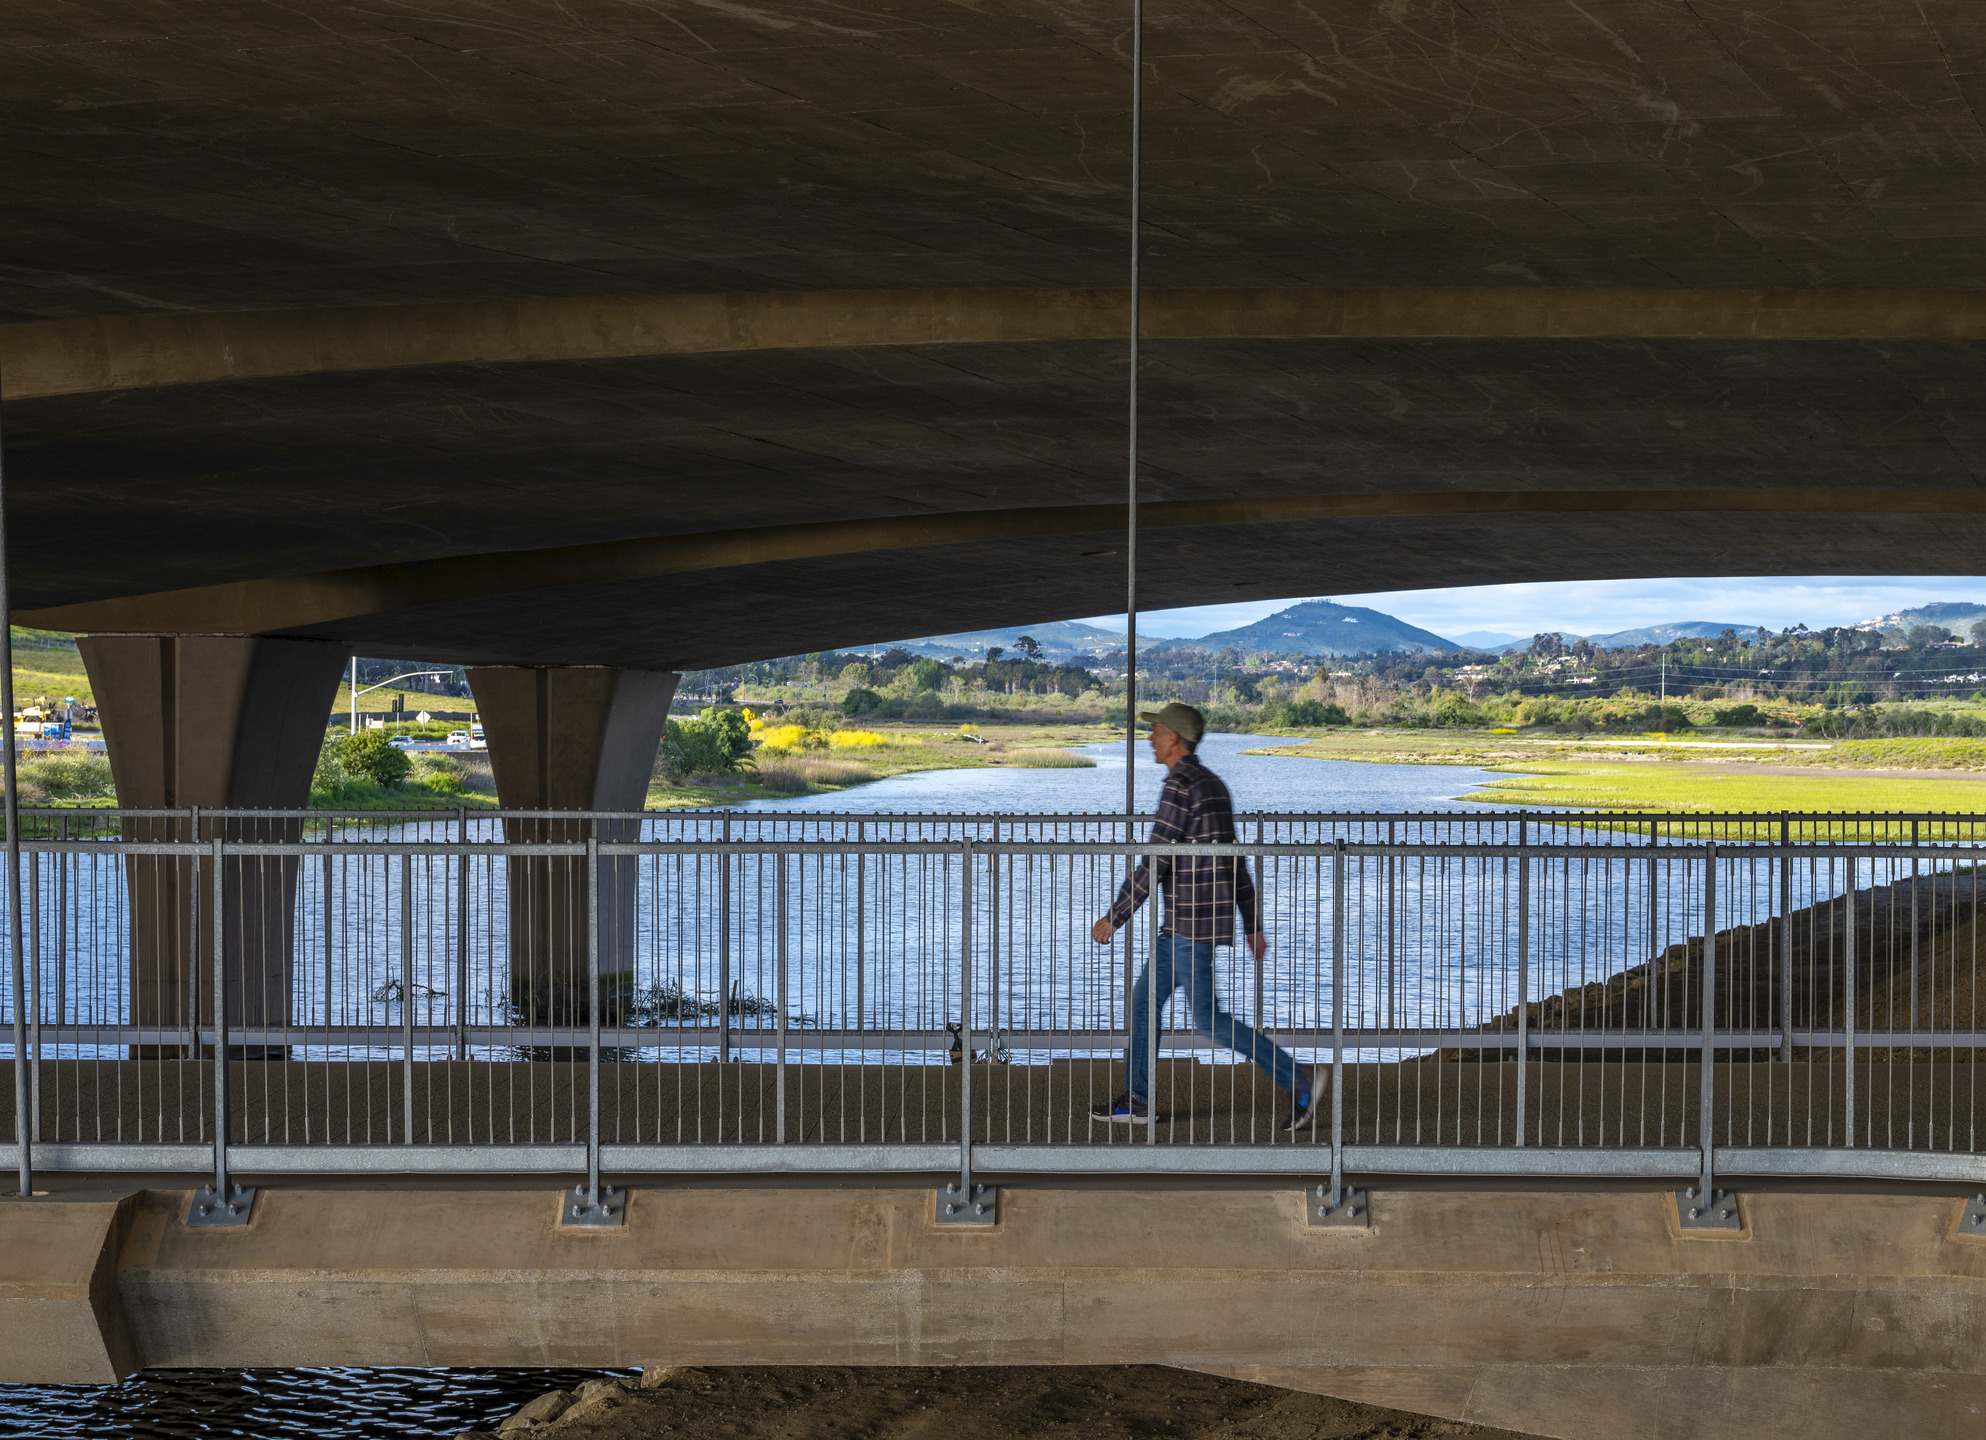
<point>60,776</point>
<point>813,717</point>
<point>1738,715</point>
<point>861,701</point>
<point>1303,715</point>
<point>711,744</point>
<point>440,774</point>
<point>368,756</point>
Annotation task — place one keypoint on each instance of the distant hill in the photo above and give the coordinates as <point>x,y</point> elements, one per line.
<point>1059,639</point>
<point>1952,614</point>
<point>1493,641</point>
<point>1663,634</point>
<point>1323,627</point>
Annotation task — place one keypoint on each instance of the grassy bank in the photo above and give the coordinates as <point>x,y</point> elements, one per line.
<point>908,747</point>
<point>1729,788</point>
<point>1492,749</point>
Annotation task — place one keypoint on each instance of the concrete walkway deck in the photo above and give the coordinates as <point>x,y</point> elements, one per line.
<point>1914,1105</point>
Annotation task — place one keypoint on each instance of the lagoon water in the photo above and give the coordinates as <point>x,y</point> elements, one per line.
<point>1258,782</point>
<point>347,1405</point>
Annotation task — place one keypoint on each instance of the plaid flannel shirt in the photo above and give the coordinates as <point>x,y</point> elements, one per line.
<point>1202,892</point>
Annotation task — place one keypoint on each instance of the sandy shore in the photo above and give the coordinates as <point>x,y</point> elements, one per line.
<point>1084,1402</point>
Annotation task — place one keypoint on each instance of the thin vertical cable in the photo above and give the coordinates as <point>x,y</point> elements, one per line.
<point>13,819</point>
<point>1131,511</point>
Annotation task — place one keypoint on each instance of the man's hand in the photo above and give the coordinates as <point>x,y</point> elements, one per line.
<point>1102,931</point>
<point>1259,944</point>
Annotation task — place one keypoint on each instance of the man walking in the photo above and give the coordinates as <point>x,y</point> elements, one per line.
<point>1202,894</point>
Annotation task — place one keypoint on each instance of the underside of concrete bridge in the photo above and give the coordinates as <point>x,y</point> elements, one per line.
<point>683,334</point>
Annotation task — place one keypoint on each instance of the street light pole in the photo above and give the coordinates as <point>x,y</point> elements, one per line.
<point>393,680</point>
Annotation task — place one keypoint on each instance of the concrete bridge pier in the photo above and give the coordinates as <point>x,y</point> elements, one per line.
<point>217,721</point>
<point>569,738</point>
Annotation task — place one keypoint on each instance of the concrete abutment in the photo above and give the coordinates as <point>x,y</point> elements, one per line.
<point>1580,1313</point>
<point>569,738</point>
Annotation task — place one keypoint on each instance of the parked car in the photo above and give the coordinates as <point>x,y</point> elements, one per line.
<point>458,739</point>
<point>402,742</point>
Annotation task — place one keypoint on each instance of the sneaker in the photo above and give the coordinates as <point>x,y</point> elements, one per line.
<point>1124,1110</point>
<point>1303,1113</point>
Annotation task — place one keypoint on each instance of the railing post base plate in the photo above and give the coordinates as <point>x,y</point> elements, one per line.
<point>982,1209</point>
<point>1352,1212</point>
<point>1719,1212</point>
<point>576,1212</point>
<point>208,1210</point>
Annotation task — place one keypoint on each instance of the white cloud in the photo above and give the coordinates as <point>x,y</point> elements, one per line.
<point>1598,607</point>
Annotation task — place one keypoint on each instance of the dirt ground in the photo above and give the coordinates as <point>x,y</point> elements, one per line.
<point>1093,1402</point>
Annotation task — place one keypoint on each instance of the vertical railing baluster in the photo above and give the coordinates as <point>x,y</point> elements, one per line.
<point>329,835</point>
<point>724,948</point>
<point>34,994</point>
<point>861,925</point>
<point>1915,834</point>
<point>992,951</point>
<point>779,988</point>
<point>462,934</point>
<point>1785,938</point>
<point>1523,975</point>
<point>1261,909</point>
<point>593,1022</point>
<point>1848,1006</point>
<point>220,1008</point>
<point>965,1018</point>
<point>1707,1076</point>
<point>221,1203</point>
<point>407,999</point>
<point>1338,1024</point>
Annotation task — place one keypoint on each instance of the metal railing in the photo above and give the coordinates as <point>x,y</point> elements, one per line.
<point>1679,996</point>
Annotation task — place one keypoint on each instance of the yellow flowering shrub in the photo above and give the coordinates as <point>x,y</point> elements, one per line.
<point>853,739</point>
<point>784,737</point>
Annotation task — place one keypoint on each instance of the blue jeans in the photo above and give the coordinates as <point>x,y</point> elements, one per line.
<point>1189,964</point>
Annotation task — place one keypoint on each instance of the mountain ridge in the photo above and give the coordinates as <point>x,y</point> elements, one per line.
<point>1324,627</point>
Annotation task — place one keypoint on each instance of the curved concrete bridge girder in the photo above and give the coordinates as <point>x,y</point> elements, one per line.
<point>1343,481</point>
<point>305,604</point>
<point>120,352</point>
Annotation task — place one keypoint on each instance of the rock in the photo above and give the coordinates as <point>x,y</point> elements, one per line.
<point>590,1388</point>
<point>655,1376</point>
<point>549,1406</point>
<point>594,1406</point>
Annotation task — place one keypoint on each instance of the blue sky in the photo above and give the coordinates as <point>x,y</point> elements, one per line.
<point>1598,607</point>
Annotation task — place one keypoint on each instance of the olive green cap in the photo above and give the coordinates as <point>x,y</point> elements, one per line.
<point>1182,720</point>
